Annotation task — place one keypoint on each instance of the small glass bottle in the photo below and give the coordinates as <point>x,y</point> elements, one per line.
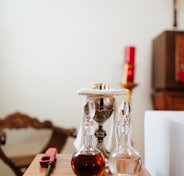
<point>88,161</point>
<point>124,160</point>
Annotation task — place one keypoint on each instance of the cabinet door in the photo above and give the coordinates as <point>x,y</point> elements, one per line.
<point>168,100</point>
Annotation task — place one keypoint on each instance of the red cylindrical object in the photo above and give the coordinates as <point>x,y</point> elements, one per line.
<point>130,74</point>
<point>130,63</point>
<point>130,55</point>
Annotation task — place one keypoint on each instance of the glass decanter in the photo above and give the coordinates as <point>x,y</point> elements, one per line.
<point>88,161</point>
<point>124,160</point>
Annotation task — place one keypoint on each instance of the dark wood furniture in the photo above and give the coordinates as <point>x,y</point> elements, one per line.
<point>62,167</point>
<point>168,100</point>
<point>168,61</point>
<point>58,138</point>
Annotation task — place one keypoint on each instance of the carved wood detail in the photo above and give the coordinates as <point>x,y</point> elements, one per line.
<point>19,120</point>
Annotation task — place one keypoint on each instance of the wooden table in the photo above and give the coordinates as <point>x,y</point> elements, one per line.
<point>62,168</point>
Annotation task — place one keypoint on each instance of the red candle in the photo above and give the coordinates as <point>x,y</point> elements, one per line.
<point>129,63</point>
<point>130,55</point>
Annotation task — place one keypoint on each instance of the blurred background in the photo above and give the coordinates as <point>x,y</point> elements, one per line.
<point>50,49</point>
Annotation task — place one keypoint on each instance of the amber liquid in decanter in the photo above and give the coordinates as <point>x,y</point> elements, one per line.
<point>88,161</point>
<point>88,164</point>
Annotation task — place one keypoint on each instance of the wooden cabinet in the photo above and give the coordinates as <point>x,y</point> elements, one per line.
<point>168,100</point>
<point>167,61</point>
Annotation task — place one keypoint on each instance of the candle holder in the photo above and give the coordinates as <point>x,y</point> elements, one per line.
<point>130,86</point>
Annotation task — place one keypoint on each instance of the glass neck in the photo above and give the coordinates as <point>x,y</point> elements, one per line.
<point>124,133</point>
<point>88,134</point>
<point>88,140</point>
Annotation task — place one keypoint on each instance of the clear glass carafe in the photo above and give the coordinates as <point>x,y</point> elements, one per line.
<point>88,161</point>
<point>124,160</point>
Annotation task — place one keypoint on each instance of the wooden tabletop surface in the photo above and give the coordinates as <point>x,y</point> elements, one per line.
<point>62,167</point>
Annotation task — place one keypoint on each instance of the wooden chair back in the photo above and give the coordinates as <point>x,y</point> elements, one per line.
<point>18,120</point>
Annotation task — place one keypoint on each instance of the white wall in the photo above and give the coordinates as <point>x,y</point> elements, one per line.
<point>50,49</point>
